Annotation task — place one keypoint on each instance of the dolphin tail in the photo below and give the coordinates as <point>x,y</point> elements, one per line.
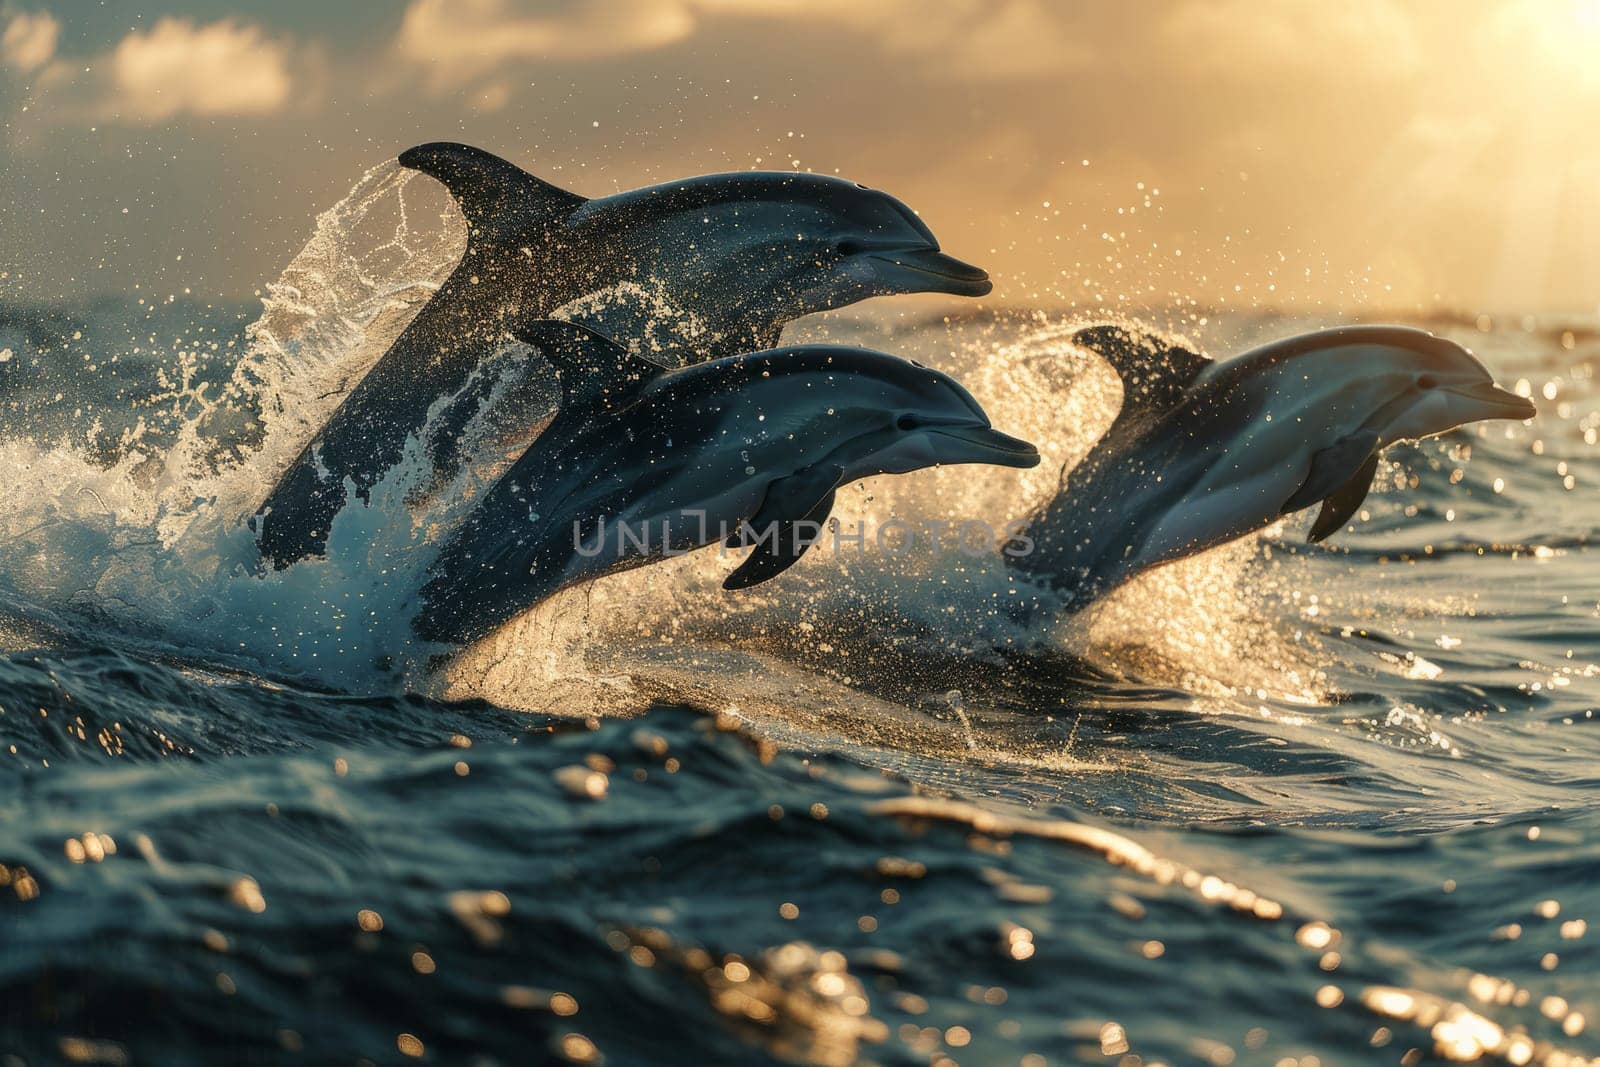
<point>495,195</point>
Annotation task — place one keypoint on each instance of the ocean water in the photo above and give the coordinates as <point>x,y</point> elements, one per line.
<point>1272,805</point>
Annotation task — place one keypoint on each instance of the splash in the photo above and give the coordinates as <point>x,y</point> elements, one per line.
<point>909,651</point>
<point>153,543</point>
<point>864,644</point>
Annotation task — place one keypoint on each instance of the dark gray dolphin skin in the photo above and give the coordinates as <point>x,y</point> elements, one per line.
<point>642,462</point>
<point>739,254</point>
<point>1205,452</point>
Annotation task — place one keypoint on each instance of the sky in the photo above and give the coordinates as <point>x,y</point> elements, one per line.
<point>1358,154</point>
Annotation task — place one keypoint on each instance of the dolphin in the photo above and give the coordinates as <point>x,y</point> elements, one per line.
<point>1205,452</point>
<point>642,462</point>
<point>735,255</point>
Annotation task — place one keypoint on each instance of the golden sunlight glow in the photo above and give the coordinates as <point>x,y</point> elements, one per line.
<point>1419,154</point>
<point>1567,32</point>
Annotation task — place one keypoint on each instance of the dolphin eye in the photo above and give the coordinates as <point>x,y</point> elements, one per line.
<point>906,423</point>
<point>1427,381</point>
<point>847,248</point>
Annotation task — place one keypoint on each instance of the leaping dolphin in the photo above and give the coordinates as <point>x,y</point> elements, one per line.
<point>1205,452</point>
<point>642,462</point>
<point>736,255</point>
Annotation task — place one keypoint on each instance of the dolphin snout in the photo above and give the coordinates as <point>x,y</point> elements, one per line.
<point>929,270</point>
<point>984,444</point>
<point>1494,402</point>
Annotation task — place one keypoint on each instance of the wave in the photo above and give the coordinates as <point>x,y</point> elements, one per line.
<point>149,549</point>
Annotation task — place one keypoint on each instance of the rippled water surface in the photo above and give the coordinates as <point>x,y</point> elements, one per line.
<point>1274,805</point>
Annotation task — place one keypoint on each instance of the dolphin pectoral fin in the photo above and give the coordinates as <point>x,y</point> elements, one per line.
<point>798,495</point>
<point>1343,502</point>
<point>496,196</point>
<point>595,370</point>
<point>1332,468</point>
<point>766,560</point>
<point>779,546</point>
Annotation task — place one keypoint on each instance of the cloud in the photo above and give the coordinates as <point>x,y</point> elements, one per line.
<point>1015,40</point>
<point>1250,40</point>
<point>459,43</point>
<point>966,39</point>
<point>180,68</point>
<point>28,40</point>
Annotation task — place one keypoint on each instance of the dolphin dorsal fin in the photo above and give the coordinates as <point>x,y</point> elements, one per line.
<point>496,196</point>
<point>1155,372</point>
<point>595,370</point>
